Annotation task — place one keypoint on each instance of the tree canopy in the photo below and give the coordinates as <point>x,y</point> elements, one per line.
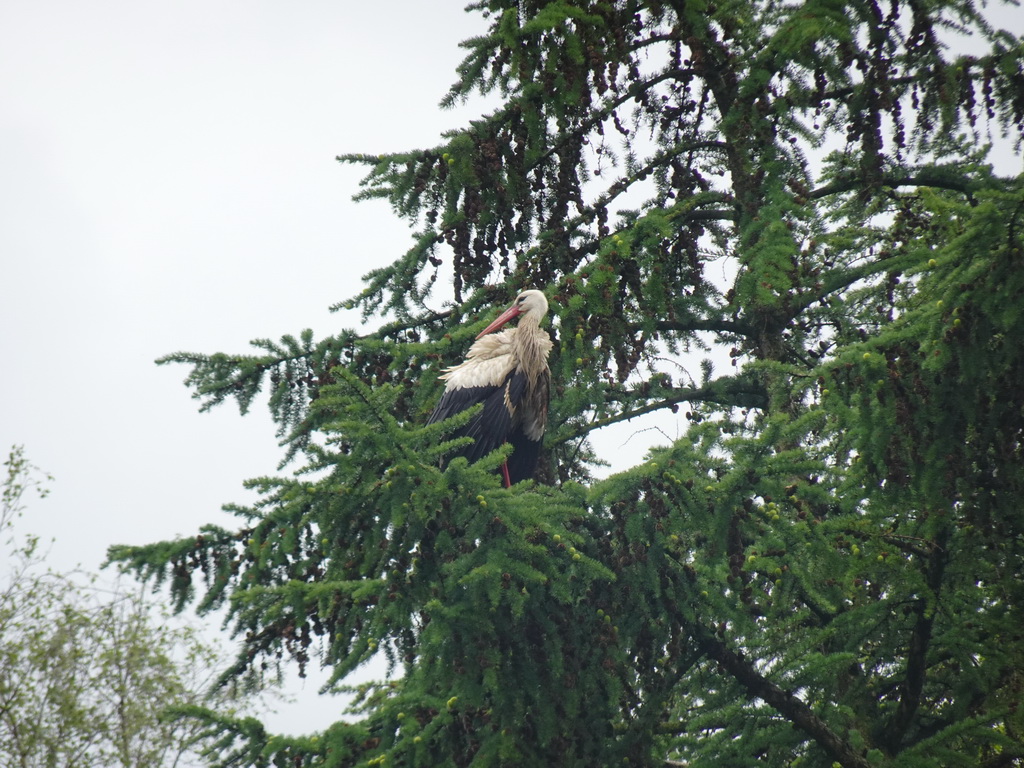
<point>782,220</point>
<point>87,674</point>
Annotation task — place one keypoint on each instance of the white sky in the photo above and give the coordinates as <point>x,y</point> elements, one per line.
<point>168,182</point>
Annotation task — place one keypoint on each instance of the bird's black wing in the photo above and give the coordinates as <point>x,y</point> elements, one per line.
<point>492,426</point>
<point>522,464</point>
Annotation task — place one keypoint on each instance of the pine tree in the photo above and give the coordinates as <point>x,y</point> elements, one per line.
<point>826,568</point>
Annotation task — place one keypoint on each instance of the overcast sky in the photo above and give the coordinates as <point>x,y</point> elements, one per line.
<point>168,182</point>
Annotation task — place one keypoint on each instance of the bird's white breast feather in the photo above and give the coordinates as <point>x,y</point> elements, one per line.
<point>487,363</point>
<point>487,372</point>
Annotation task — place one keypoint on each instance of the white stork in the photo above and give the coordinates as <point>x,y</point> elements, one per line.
<point>508,373</point>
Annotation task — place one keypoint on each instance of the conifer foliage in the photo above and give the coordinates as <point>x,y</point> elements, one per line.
<point>825,568</point>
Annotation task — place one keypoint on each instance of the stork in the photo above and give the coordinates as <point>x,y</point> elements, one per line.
<point>508,373</point>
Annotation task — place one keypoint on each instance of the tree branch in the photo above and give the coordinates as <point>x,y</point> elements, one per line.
<point>788,705</point>
<point>843,277</point>
<point>840,94</point>
<point>922,179</point>
<point>610,105</point>
<point>712,324</point>
<point>917,650</point>
<point>750,395</point>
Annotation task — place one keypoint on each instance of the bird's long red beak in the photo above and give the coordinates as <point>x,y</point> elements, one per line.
<point>504,317</point>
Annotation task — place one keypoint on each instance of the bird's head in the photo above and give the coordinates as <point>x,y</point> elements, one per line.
<point>531,303</point>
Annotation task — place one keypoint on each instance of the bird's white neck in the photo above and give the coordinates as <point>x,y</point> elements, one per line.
<point>531,344</point>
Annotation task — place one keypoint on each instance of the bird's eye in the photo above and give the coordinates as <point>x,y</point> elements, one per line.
<point>521,299</point>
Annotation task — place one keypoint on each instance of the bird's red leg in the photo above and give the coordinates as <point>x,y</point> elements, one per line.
<point>504,473</point>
